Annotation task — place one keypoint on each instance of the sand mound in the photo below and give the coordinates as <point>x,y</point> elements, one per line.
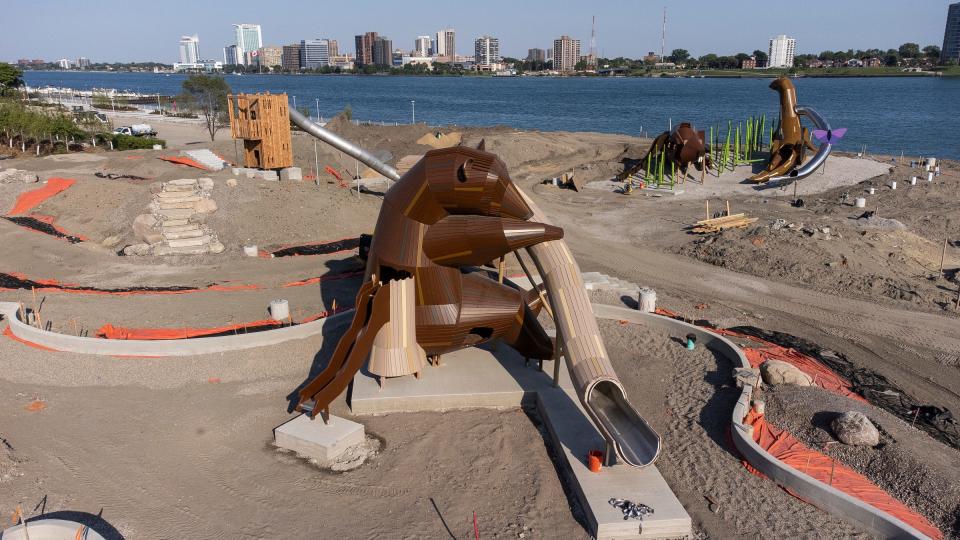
<point>441,140</point>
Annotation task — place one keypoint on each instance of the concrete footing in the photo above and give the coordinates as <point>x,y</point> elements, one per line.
<point>313,439</point>
<point>499,378</point>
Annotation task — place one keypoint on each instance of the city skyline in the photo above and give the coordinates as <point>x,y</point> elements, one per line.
<point>884,24</point>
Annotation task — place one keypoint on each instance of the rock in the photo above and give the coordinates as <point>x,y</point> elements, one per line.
<point>144,225</point>
<point>776,372</point>
<point>231,182</point>
<point>110,241</point>
<point>854,428</point>
<point>205,206</point>
<point>137,249</point>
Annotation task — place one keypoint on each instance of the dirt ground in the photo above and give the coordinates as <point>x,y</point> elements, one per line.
<point>167,453</point>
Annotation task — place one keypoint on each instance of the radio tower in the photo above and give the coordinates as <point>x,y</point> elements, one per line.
<point>663,34</point>
<point>592,59</point>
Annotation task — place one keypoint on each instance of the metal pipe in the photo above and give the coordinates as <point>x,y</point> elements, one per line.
<point>343,145</point>
<point>823,152</point>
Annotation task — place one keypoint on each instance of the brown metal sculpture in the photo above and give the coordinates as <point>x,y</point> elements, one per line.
<point>682,146</point>
<point>454,210</point>
<point>791,140</point>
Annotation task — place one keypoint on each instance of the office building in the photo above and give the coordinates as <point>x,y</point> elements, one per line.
<point>781,52</point>
<point>270,56</point>
<point>566,53</point>
<point>422,46</point>
<point>291,57</point>
<point>446,44</point>
<point>189,49</point>
<point>536,55</point>
<point>314,53</point>
<point>364,47</point>
<point>247,38</point>
<point>951,35</point>
<point>230,56</point>
<point>382,52</point>
<point>486,52</point>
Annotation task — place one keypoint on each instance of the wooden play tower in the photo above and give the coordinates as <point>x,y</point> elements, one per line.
<point>262,121</point>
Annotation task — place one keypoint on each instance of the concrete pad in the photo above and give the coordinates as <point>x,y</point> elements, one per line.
<point>480,378</point>
<point>573,433</point>
<point>291,174</point>
<point>467,379</point>
<point>318,441</point>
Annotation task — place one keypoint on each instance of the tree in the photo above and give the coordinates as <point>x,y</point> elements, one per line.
<point>208,95</point>
<point>680,56</point>
<point>909,50</point>
<point>10,77</point>
<point>932,52</point>
<point>761,57</point>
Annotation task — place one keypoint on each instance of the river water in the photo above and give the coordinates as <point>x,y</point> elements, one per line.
<point>915,115</point>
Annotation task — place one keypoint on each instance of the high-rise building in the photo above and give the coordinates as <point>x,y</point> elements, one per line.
<point>536,55</point>
<point>421,47</point>
<point>270,56</point>
<point>247,38</point>
<point>291,57</point>
<point>383,51</point>
<point>314,53</point>
<point>781,52</point>
<point>566,53</point>
<point>83,63</point>
<point>951,35</point>
<point>189,49</point>
<point>446,43</point>
<point>486,51</point>
<point>364,46</point>
<point>230,56</point>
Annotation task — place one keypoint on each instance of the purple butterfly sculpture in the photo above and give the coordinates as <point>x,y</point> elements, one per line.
<point>829,136</point>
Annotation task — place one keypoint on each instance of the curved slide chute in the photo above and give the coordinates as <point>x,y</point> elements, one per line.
<point>599,389</point>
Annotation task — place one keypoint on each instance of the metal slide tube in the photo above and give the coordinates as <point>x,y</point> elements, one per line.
<point>823,152</point>
<point>343,145</point>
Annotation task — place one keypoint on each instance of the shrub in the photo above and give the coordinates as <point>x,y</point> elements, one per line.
<point>129,142</point>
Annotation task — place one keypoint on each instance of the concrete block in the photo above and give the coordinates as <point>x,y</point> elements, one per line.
<point>291,174</point>
<point>315,440</point>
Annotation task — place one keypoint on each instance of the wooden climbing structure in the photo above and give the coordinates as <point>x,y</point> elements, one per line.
<point>262,121</point>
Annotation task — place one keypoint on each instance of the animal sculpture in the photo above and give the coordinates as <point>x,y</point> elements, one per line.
<point>791,140</point>
<point>455,210</point>
<point>682,146</point>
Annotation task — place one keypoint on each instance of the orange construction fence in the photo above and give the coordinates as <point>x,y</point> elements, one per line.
<point>790,451</point>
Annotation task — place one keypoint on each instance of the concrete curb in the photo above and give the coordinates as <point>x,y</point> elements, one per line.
<point>161,348</point>
<point>805,487</point>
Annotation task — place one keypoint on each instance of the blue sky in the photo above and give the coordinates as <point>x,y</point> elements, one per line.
<point>115,30</point>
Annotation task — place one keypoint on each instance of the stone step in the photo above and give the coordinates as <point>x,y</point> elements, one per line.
<point>175,222</point>
<point>181,182</point>
<point>180,228</point>
<point>175,195</point>
<point>179,189</point>
<point>174,213</point>
<point>187,242</point>
<point>171,205</point>
<point>197,233</point>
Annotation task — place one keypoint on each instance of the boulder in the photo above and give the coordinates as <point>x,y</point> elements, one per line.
<point>776,372</point>
<point>205,206</point>
<point>854,428</point>
<point>144,226</point>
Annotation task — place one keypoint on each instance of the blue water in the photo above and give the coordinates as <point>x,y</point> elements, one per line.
<point>916,115</point>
